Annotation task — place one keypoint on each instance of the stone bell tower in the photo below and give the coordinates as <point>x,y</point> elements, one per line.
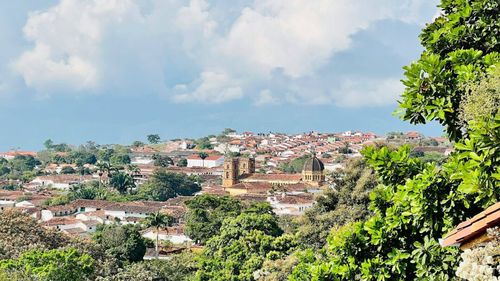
<point>246,166</point>
<point>231,172</point>
<point>234,168</point>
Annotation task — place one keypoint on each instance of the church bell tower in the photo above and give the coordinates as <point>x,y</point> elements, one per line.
<point>230,173</point>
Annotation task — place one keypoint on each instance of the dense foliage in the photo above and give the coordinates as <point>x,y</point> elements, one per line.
<point>418,203</point>
<point>53,265</point>
<point>22,167</point>
<point>206,214</point>
<point>460,46</point>
<point>347,202</point>
<point>164,185</point>
<point>242,245</point>
<point>294,166</point>
<point>21,234</point>
<point>125,243</point>
<point>180,267</point>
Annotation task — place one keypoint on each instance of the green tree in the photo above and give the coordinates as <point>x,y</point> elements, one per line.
<point>67,170</point>
<point>345,149</point>
<point>159,221</point>
<point>204,143</point>
<point>122,182</point>
<point>182,162</point>
<point>228,131</point>
<point>164,185</point>
<point>153,138</point>
<point>294,166</point>
<point>90,190</point>
<point>482,99</point>
<point>162,160</point>
<point>460,46</point>
<point>137,144</point>
<point>206,213</point>
<point>179,267</point>
<point>124,242</point>
<point>119,159</point>
<point>203,156</point>
<point>241,247</point>
<point>347,202</point>
<point>53,265</point>
<point>104,155</point>
<point>24,163</point>
<point>417,203</point>
<point>48,144</point>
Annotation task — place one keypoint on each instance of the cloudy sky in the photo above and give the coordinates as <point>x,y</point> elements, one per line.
<point>113,71</point>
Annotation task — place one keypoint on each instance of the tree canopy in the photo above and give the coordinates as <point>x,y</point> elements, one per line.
<point>460,46</point>
<point>124,242</point>
<point>417,203</point>
<point>52,265</point>
<point>164,185</point>
<point>206,214</point>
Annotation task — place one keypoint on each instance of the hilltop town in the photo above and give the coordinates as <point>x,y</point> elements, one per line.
<point>287,171</point>
<point>239,205</point>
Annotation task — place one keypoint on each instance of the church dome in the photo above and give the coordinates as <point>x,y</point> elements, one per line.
<point>313,164</point>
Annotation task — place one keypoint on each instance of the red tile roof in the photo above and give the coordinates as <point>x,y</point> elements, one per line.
<point>16,153</point>
<point>211,157</point>
<point>474,227</point>
<point>274,177</point>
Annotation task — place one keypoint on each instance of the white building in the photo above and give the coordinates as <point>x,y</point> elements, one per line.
<point>209,162</point>
<point>175,235</point>
<point>290,204</point>
<point>60,181</point>
<point>225,147</point>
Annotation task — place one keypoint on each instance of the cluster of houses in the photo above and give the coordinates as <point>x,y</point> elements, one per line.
<point>252,177</point>
<point>81,217</point>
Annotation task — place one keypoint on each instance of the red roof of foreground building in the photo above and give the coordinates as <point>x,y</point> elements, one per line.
<point>474,227</point>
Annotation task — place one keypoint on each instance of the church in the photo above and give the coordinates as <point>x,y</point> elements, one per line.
<point>239,177</point>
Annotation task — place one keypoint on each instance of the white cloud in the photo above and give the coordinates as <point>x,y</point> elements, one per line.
<point>212,51</point>
<point>299,36</point>
<point>212,87</point>
<point>196,17</point>
<point>67,38</point>
<point>40,69</point>
<point>266,98</point>
<point>367,92</point>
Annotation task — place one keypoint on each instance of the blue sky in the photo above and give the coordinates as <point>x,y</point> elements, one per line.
<point>113,71</point>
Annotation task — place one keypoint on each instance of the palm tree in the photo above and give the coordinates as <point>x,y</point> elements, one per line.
<point>159,220</point>
<point>105,168</point>
<point>102,167</point>
<point>203,155</point>
<point>122,182</point>
<point>133,169</point>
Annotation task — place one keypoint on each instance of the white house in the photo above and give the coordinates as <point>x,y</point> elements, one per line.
<point>225,147</point>
<point>142,160</point>
<point>60,181</point>
<point>209,162</point>
<point>290,204</point>
<point>73,225</point>
<point>173,234</point>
